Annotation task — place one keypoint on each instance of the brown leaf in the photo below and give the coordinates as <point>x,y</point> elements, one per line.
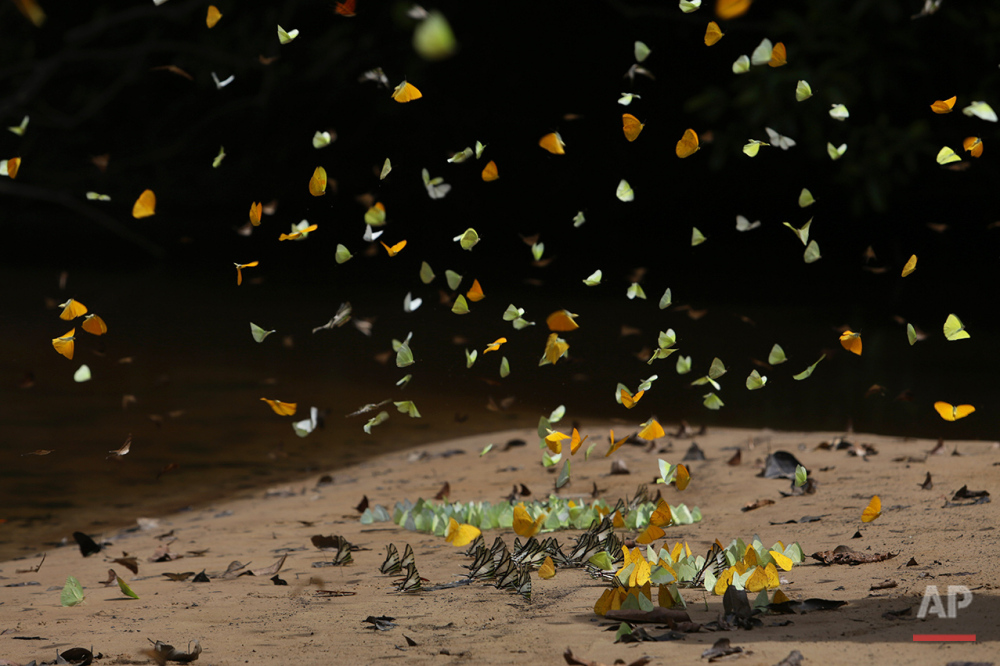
<point>844,555</point>
<point>444,492</point>
<point>179,577</point>
<point>234,568</point>
<point>112,578</point>
<point>737,458</point>
<point>658,616</point>
<point>750,506</point>
<point>130,563</point>
<point>884,585</point>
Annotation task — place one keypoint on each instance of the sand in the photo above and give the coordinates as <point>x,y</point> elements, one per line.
<point>249,619</point>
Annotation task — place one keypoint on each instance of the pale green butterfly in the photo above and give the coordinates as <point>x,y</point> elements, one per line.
<point>426,273</point>
<point>342,254</point>
<point>683,365</point>
<point>946,156</point>
<point>594,279</point>
<point>697,238</point>
<point>433,38</point>
<point>751,149</point>
<point>803,91</point>
<point>286,36</point>
<point>743,224</point>
<point>218,158</point>
<point>839,112</point>
<point>802,233</point>
<point>467,239</point>
<point>805,374</point>
<point>911,334</point>
<point>404,356</point>
<point>19,129</point>
<point>94,196</point>
<point>407,407</point>
<point>461,306</point>
<point>461,156</point>
<point>72,592</point>
<point>801,476</point>
<point>579,219</point>
<point>404,381</point>
<point>563,479</point>
<point>635,291</point>
<point>386,168</point>
<point>688,6</point>
<point>712,401</point>
<point>954,329</point>
<point>627,98</point>
<point>742,64</point>
<point>624,191</point>
<point>378,419</point>
<point>453,279</point>
<point>762,54</point>
<point>512,312</point>
<point>779,140</point>
<point>410,304</point>
<point>777,355</point>
<point>537,250</point>
<point>480,147</point>
<point>82,374</point>
<point>981,110</point>
<point>470,357</point>
<point>837,152</point>
<point>811,253</point>
<point>321,140</point>
<point>666,299</point>
<point>641,51</point>
<point>755,381</point>
<point>806,198</point>
<point>258,333</point>
<point>504,367</point>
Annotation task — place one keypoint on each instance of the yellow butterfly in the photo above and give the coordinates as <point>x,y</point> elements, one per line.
<point>652,430</point>
<point>213,16</point>
<point>712,33</point>
<point>317,184</point>
<point>730,9</point>
<point>145,205</point>
<point>12,165</point>
<point>661,516</point>
<point>406,92</point>
<point>281,408</point>
<point>630,400</point>
<point>72,309</point>
<point>953,412</point>
<point>851,342</point>
<point>524,525</point>
<point>575,442</point>
<point>615,445</point>
<point>298,233</point>
<point>954,329</point>
<point>688,145</point>
<point>64,344</point>
<point>495,345</point>
<point>683,477</point>
<point>911,265</point>
<point>255,212</point>
<point>649,535</point>
<point>547,570</point>
<point>555,347</point>
<point>460,534</point>
<point>490,172</point>
<point>631,126</point>
<point>395,249</point>
<point>475,293</point>
<point>872,511</point>
<point>94,325</point>
<point>944,105</point>
<point>240,267</point>
<point>553,143</point>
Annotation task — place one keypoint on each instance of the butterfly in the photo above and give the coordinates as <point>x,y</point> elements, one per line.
<point>661,516</point>
<point>954,329</point>
<point>872,511</point>
<point>944,105</point>
<point>72,309</point>
<point>911,265</point>
<point>411,582</point>
<point>523,586</point>
<point>65,344</point>
<point>555,348</point>
<point>494,346</point>
<point>779,56</point>
<point>946,156</point>
<point>482,565</point>
<point>615,445</point>
<point>395,249</point>
<point>87,545</point>
<point>652,430</point>
<point>716,559</point>
<point>286,36</point>
<point>407,560</point>
<point>461,305</point>
<point>630,400</point>
<point>123,450</point>
<point>953,412</point>
<point>255,212</point>
<point>730,9</point>
<point>836,152</point>
<point>743,224</point>
<point>688,144</point>
<point>712,33</point>
<point>562,320</point>
<point>145,205</point>
<point>317,184</point>
<point>490,172</point>
<point>553,143</point>
<point>460,534</point>
<point>547,570</point>
<point>475,293</point>
<point>299,231</point>
<point>778,140</point>
<point>974,145</point>
<point>406,92</point>
<point>649,535</point>
<point>345,8</point>
<point>524,525</point>
<point>623,192</point>
<point>281,408</point>
<point>239,270</point>
<point>631,126</point>
<point>803,91</point>
<point>683,477</point>
<point>851,342</point>
<point>213,16</point>
<point>72,592</point>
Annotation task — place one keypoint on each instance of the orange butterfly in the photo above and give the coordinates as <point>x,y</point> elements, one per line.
<point>630,400</point>
<point>712,33</point>
<point>944,105</point>
<point>872,511</point>
<point>778,56</point>
<point>317,184</point>
<point>72,309</point>
<point>652,430</point>
<point>282,408</point>
<point>394,250</point>
<point>295,235</point>
<point>730,9</point>
<point>94,325</point>
<point>475,293</point>
<point>649,535</point>
<point>345,8</point>
<point>615,445</point>
<point>145,205</point>
<point>851,342</point>
<point>490,172</point>
<point>953,412</point>
<point>64,344</point>
<point>974,145</point>
<point>255,211</point>
<point>13,164</point>
<point>213,16</point>
<point>631,126</point>
<point>688,145</point>
<point>562,320</point>
<point>553,143</point>
<point>406,92</point>
<point>239,270</point>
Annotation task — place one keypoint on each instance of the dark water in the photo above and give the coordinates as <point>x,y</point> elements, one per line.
<point>195,366</point>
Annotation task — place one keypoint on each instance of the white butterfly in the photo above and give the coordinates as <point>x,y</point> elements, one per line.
<point>743,224</point>
<point>410,304</point>
<point>222,84</point>
<point>782,142</point>
<point>369,235</point>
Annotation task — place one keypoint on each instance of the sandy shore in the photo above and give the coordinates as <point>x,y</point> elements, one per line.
<point>249,619</point>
